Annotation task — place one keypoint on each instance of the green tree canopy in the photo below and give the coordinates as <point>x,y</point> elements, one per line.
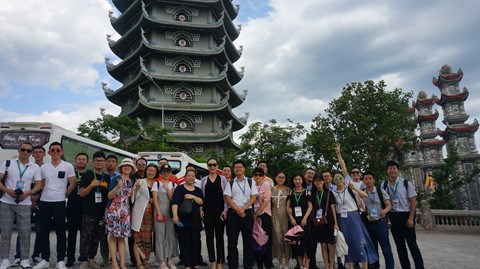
<point>367,120</point>
<point>279,145</point>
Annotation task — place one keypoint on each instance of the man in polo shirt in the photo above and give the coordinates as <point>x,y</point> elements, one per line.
<point>16,202</point>
<point>240,195</point>
<point>56,175</point>
<point>402,216</point>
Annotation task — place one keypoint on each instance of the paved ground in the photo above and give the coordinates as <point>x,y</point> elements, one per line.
<point>439,249</point>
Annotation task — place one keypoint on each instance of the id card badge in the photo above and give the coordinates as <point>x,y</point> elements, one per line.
<point>344,212</point>
<point>78,189</point>
<point>20,185</point>
<point>319,213</point>
<point>245,200</point>
<point>298,211</point>
<point>395,203</point>
<point>98,197</point>
<point>374,212</point>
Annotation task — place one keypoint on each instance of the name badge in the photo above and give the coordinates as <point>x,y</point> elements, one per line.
<point>298,211</point>
<point>78,189</point>
<point>244,200</point>
<point>98,197</point>
<point>344,212</point>
<point>319,213</point>
<point>20,185</point>
<point>395,203</point>
<point>374,212</point>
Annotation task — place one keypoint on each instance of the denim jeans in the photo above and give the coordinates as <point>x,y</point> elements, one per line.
<point>378,231</point>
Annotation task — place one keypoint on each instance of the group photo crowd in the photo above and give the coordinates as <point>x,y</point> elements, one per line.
<point>142,208</point>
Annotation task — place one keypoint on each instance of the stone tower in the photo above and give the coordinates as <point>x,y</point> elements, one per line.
<point>459,134</point>
<point>176,68</point>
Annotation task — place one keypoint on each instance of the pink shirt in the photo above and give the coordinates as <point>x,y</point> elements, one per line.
<point>264,194</point>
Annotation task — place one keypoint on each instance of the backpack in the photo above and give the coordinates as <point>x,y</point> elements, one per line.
<point>363,215</point>
<point>385,186</point>
<point>249,181</point>
<point>7,164</point>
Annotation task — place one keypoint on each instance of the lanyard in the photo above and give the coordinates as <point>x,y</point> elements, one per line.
<point>79,176</point>
<point>244,186</point>
<point>342,200</point>
<point>372,200</point>
<point>20,170</point>
<point>320,200</point>
<point>394,190</point>
<point>297,198</point>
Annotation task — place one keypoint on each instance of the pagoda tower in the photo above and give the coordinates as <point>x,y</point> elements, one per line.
<point>176,68</point>
<point>459,134</point>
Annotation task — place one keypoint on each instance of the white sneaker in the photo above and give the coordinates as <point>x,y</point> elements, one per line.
<point>25,264</point>
<point>61,265</point>
<point>16,262</point>
<point>37,259</point>
<point>42,264</point>
<point>5,264</point>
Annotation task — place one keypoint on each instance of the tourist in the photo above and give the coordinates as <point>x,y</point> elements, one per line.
<point>309,173</point>
<point>378,205</point>
<point>280,250</point>
<point>15,204</point>
<point>141,165</point>
<point>214,213</point>
<point>263,164</point>
<point>402,216</point>
<point>240,196</point>
<point>189,222</point>
<point>117,215</point>
<point>299,207</point>
<point>167,172</point>
<point>38,155</point>
<point>263,211</point>
<point>166,244</point>
<point>327,179</point>
<point>94,192</point>
<point>323,204</point>
<point>56,175</point>
<point>360,247</point>
<point>142,216</point>
<point>227,172</point>
<point>74,209</point>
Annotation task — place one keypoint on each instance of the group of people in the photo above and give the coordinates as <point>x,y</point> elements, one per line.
<point>147,206</point>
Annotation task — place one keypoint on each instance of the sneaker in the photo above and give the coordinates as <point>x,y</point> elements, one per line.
<point>37,259</point>
<point>61,265</point>
<point>15,262</point>
<point>5,264</point>
<point>93,265</point>
<point>42,264</point>
<point>25,264</point>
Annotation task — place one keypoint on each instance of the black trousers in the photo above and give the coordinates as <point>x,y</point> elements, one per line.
<point>402,233</point>
<point>90,237</point>
<point>265,260</point>
<point>235,225</point>
<point>189,241</point>
<point>57,211</point>
<point>74,225</point>
<point>214,230</point>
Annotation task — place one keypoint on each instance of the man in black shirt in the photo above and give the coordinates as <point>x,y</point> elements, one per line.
<point>93,190</point>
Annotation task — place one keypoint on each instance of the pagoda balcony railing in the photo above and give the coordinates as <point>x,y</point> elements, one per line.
<point>197,136</point>
<point>454,220</point>
<point>188,50</point>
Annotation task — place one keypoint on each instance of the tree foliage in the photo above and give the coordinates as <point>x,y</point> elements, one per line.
<point>126,133</point>
<point>279,145</point>
<point>367,120</point>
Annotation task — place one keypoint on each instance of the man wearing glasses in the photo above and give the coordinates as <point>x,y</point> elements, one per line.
<point>56,175</point>
<point>16,202</point>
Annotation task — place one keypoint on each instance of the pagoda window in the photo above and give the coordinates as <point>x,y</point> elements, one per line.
<point>183,95</point>
<point>183,41</point>
<point>183,16</point>
<point>184,125</point>
<point>183,68</point>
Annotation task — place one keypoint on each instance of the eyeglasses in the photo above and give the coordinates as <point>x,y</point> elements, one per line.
<point>212,165</point>
<point>258,175</point>
<point>140,163</point>
<point>355,172</point>
<point>56,150</point>
<point>338,178</point>
<point>27,150</point>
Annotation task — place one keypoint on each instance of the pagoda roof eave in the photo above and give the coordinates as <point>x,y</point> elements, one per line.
<point>187,25</point>
<point>432,143</point>
<point>189,137</point>
<point>430,117</point>
<point>465,128</point>
<point>447,78</point>
<point>453,97</point>
<point>122,5</point>
<point>120,23</point>
<point>117,96</point>
<point>201,107</point>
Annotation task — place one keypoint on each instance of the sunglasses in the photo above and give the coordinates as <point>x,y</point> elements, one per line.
<point>212,165</point>
<point>140,163</point>
<point>56,150</point>
<point>338,178</point>
<point>27,150</point>
<point>258,175</point>
<point>355,172</point>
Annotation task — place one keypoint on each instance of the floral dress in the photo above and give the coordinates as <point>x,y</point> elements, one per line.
<point>118,214</point>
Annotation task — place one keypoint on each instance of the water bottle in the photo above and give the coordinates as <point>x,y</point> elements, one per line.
<point>180,224</point>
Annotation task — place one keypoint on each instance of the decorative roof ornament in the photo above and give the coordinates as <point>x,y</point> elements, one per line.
<point>111,16</point>
<point>109,39</point>
<point>105,88</point>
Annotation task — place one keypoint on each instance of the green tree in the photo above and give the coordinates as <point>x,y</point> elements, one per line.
<point>279,145</point>
<point>367,120</point>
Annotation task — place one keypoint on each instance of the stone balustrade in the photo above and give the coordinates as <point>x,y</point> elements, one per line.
<point>457,220</point>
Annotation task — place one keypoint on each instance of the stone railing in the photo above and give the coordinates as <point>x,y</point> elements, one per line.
<point>457,220</point>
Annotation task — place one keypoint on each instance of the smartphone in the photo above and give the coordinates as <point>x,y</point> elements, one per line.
<point>221,217</point>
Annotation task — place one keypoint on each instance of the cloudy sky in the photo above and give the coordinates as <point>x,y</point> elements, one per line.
<point>298,54</point>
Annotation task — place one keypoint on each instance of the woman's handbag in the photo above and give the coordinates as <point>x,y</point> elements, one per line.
<point>323,220</point>
<point>185,208</point>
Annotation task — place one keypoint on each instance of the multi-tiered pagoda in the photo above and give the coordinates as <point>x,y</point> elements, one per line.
<point>459,134</point>
<point>176,67</point>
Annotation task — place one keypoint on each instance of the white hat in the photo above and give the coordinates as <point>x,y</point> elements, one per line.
<point>129,162</point>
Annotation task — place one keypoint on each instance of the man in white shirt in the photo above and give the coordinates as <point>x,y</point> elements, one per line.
<point>56,175</point>
<point>16,202</point>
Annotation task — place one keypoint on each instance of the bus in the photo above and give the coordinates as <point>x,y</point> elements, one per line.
<point>13,134</point>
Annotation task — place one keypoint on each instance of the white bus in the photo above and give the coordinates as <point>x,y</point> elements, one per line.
<point>13,134</point>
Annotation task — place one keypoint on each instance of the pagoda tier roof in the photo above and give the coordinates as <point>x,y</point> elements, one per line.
<point>455,119</point>
<point>463,128</point>
<point>121,23</point>
<point>222,137</point>
<point>428,102</point>
<point>123,5</point>
<point>432,143</point>
<point>446,76</point>
<point>462,96</point>
<point>430,117</point>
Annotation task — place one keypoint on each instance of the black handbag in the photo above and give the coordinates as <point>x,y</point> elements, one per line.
<point>185,208</point>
